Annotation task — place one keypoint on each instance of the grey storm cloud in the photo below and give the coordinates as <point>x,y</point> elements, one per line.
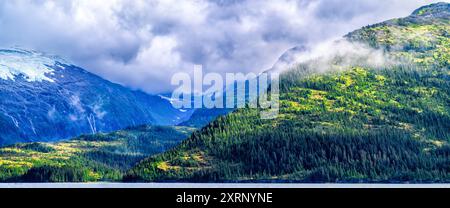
<point>142,43</point>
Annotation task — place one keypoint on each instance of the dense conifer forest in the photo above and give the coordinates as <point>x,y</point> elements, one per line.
<point>99,157</point>
<point>351,121</point>
<point>356,124</point>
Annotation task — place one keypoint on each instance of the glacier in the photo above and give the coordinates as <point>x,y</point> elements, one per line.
<point>45,98</point>
<point>34,66</point>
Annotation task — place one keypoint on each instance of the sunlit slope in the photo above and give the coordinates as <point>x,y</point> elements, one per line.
<point>422,38</point>
<point>362,124</point>
<point>100,157</point>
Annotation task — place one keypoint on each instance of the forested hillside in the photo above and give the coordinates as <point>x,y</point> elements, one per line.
<point>358,124</point>
<point>46,99</point>
<point>99,157</point>
<point>202,117</point>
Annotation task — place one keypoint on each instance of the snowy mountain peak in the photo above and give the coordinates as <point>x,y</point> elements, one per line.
<point>44,98</point>
<point>32,65</point>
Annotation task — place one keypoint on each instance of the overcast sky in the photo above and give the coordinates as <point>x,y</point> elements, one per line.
<point>141,43</point>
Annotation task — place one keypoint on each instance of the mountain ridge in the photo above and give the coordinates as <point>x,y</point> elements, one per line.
<point>46,99</point>
<point>362,124</point>
<point>440,8</point>
<point>87,158</point>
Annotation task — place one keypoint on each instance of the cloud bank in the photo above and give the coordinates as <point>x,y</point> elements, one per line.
<point>141,43</point>
<point>335,55</point>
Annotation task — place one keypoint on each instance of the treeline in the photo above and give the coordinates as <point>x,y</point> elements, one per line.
<point>88,158</point>
<point>383,125</point>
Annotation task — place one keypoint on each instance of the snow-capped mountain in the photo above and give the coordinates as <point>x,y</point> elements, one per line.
<point>45,98</point>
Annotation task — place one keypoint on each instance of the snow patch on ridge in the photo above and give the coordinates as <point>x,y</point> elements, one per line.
<point>33,66</point>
